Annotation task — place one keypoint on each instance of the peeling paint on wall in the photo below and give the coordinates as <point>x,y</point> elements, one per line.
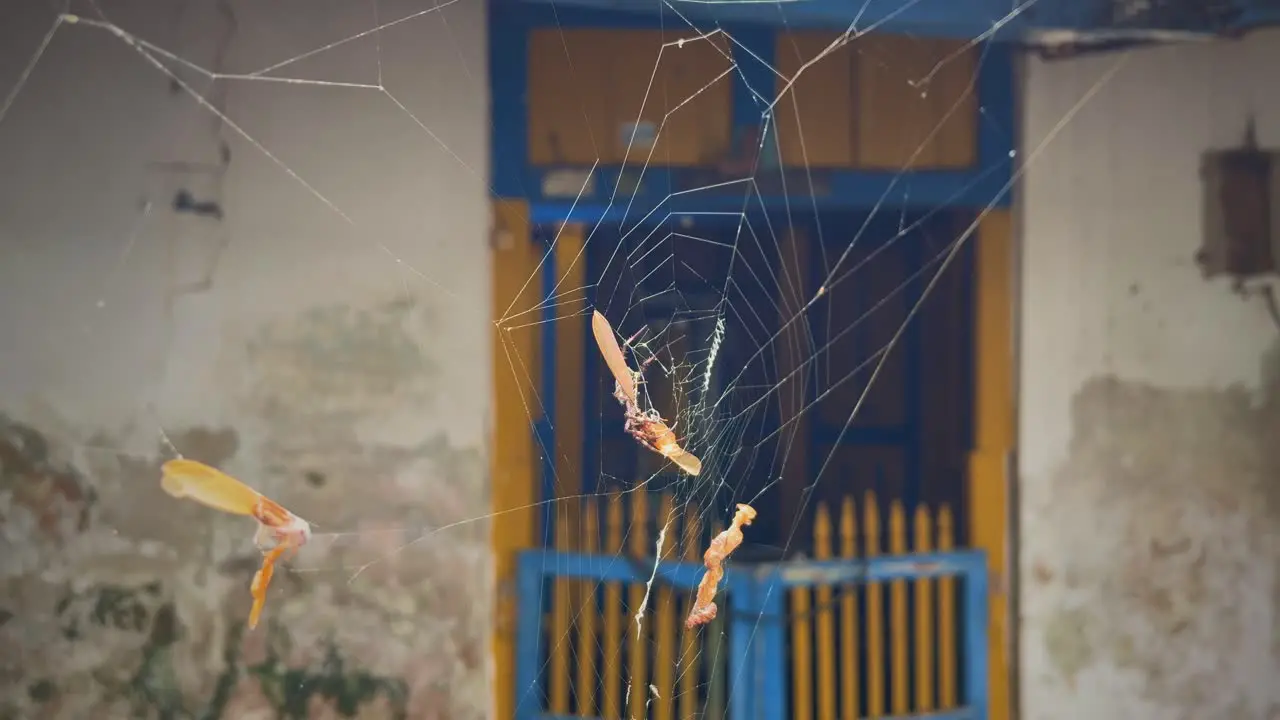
<point>123,602</point>
<point>1156,555</point>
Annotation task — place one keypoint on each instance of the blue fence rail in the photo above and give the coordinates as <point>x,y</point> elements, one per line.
<point>753,605</point>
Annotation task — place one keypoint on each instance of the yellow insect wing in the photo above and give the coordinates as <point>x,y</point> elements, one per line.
<point>612,353</point>
<point>687,461</point>
<point>183,478</point>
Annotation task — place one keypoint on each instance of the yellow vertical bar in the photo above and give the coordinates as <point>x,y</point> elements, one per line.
<point>561,612</point>
<point>994,329</point>
<point>924,617</point>
<point>994,430</point>
<point>612,678</point>
<point>571,353</point>
<point>637,682</point>
<point>947,681</point>
<point>689,641</point>
<point>875,610</point>
<point>850,705</point>
<point>665,626</point>
<point>571,333</point>
<point>587,642</point>
<point>826,620</point>
<point>801,654</point>
<point>898,611</point>
<point>516,367</point>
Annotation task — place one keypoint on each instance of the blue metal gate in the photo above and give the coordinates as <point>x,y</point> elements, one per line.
<point>754,602</point>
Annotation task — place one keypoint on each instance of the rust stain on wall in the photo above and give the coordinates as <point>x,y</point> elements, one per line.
<point>1155,549</point>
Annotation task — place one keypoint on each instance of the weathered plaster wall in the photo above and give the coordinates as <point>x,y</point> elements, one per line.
<point>333,352</point>
<point>1149,465</point>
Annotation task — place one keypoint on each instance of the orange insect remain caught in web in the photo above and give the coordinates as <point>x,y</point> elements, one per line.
<point>279,530</point>
<point>647,426</point>
<point>721,547</point>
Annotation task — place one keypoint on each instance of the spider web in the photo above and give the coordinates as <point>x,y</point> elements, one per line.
<point>344,134</point>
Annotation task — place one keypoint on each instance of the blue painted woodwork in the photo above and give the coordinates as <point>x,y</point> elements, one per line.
<point>1132,20</point>
<point>939,18</point>
<point>756,616</point>
<point>653,194</point>
<point>963,19</point>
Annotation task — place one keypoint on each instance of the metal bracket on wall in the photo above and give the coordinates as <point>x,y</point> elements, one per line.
<point>1241,233</point>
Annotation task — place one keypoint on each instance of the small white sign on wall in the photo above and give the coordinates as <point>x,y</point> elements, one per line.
<point>638,135</point>
<point>568,184</point>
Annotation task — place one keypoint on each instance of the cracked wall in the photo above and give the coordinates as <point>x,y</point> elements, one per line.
<point>1149,473</point>
<point>320,332</point>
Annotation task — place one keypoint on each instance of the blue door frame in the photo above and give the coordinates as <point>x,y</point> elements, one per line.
<point>757,621</point>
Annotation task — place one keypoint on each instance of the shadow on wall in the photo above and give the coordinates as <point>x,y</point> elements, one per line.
<point>120,604</point>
